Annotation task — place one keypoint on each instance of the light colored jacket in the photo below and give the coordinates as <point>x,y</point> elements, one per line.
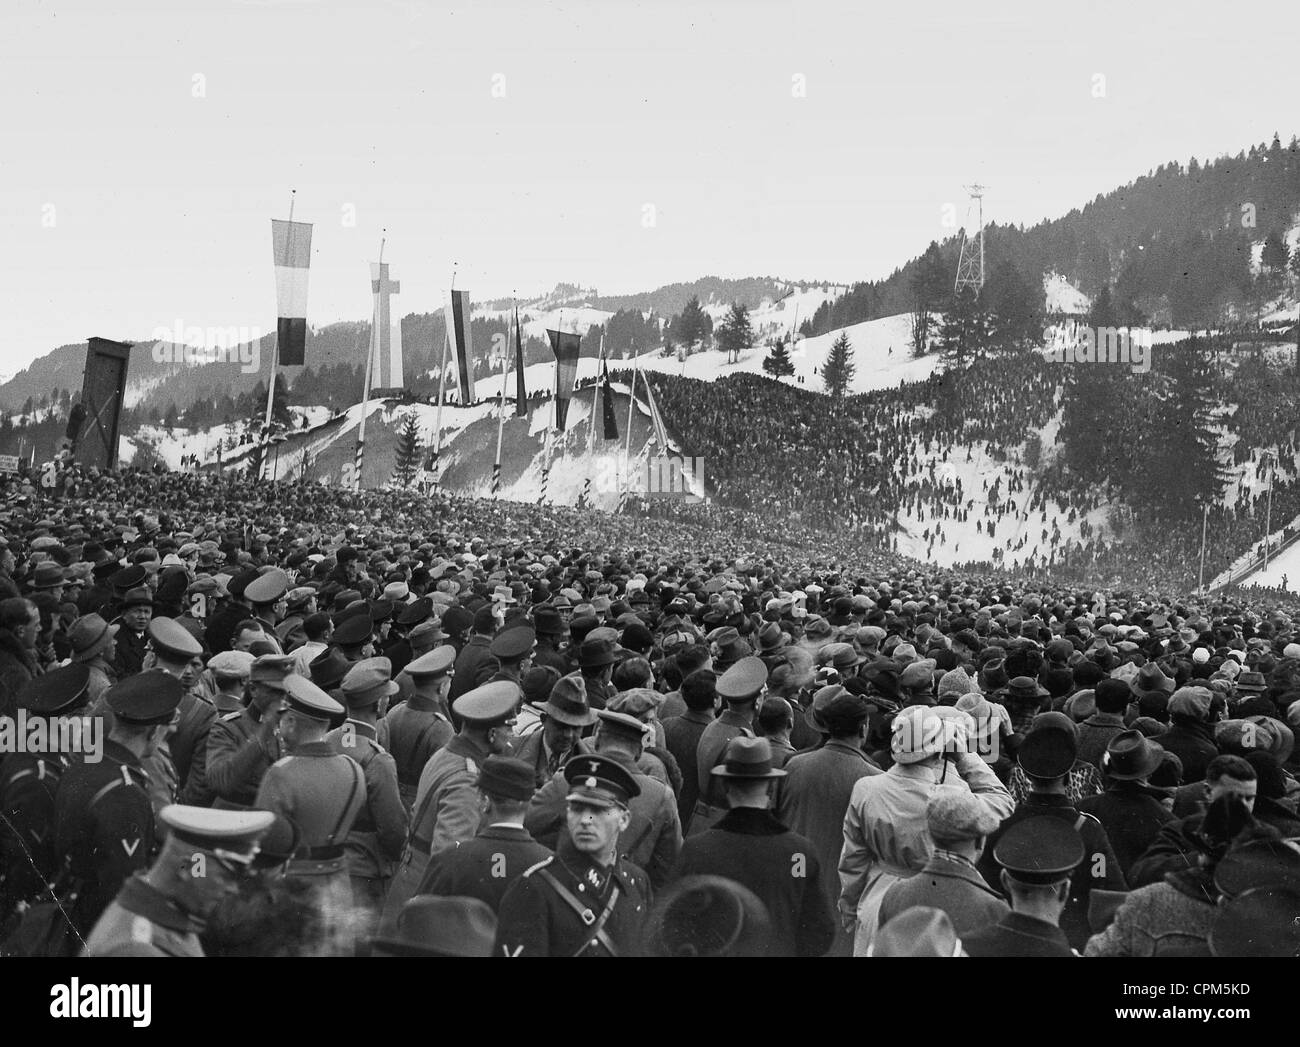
<point>886,838</point>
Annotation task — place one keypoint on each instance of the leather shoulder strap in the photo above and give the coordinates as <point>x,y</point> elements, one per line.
<point>585,914</point>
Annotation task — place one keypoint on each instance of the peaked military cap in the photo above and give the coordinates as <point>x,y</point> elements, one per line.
<point>55,691</point>
<point>172,640</point>
<point>493,703</point>
<point>268,587</point>
<point>305,698</point>
<point>145,699</point>
<point>435,663</point>
<point>1040,850</point>
<point>600,780</point>
<point>211,829</point>
<point>368,681</point>
<point>743,680</point>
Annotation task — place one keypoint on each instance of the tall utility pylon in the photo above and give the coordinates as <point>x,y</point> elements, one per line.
<point>970,264</point>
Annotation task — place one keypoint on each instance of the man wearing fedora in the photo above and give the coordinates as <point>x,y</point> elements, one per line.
<point>1130,810</point>
<point>586,901</point>
<point>565,715</point>
<point>94,646</point>
<point>751,846</point>
<point>132,641</point>
<point>497,856</point>
<point>437,926</point>
<point>1046,756</point>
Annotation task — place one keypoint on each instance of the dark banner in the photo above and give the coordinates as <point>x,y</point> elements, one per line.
<point>103,389</point>
<point>565,345</point>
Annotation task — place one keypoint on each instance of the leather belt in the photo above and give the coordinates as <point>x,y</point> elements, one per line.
<point>318,854</point>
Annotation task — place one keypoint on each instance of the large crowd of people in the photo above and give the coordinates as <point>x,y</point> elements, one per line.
<point>243,718</point>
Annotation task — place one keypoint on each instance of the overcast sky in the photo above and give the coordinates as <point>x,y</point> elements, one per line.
<point>145,146</point>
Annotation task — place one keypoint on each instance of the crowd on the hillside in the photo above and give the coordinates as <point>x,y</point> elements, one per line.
<point>240,718</point>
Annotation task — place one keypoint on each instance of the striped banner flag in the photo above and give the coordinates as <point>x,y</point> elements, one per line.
<point>291,246</point>
<point>388,344</point>
<point>457,320</point>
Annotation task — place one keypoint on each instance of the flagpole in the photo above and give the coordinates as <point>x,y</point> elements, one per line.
<point>275,356</point>
<point>555,413</point>
<point>591,421</point>
<point>501,418</point>
<point>631,405</point>
<point>370,363</point>
<point>442,383</point>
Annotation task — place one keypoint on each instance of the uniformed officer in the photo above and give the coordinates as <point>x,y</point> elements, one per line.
<point>177,652</point>
<point>243,744</point>
<point>28,782</point>
<point>266,595</point>
<point>353,636</point>
<point>512,648</point>
<point>447,806</point>
<point>103,820</point>
<point>421,725</point>
<point>739,687</point>
<point>321,791</point>
<point>1037,856</point>
<point>487,865</point>
<point>586,901</point>
<point>159,913</point>
<point>375,843</point>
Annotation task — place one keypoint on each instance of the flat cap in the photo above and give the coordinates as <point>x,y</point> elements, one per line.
<point>368,681</point>
<point>137,597</point>
<point>743,681</point>
<point>232,663</point>
<point>146,699</point>
<point>1039,850</point>
<point>306,699</point>
<point>212,829</point>
<point>954,815</point>
<point>437,662</point>
<point>492,703</point>
<point>172,640</point>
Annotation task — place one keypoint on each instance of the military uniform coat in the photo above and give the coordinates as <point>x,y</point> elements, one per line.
<point>28,857</point>
<point>682,739</point>
<point>238,758</point>
<point>1018,935</point>
<point>468,663</point>
<point>189,748</point>
<point>142,916</point>
<point>446,813</point>
<point>103,826</point>
<point>484,867</point>
<point>1099,868</point>
<point>322,792</point>
<point>375,843</point>
<point>1132,818</point>
<point>534,920</point>
<point>753,848</point>
<point>414,731</point>
<point>709,753</point>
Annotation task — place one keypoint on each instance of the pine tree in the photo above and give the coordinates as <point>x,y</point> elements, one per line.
<point>693,325</point>
<point>778,363</point>
<point>735,335</point>
<point>1015,309</point>
<point>965,329</point>
<point>1275,254</point>
<point>407,460</point>
<point>171,418</point>
<point>837,371</point>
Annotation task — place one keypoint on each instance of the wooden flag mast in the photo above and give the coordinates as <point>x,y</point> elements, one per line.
<point>275,356</point>
<point>359,462</point>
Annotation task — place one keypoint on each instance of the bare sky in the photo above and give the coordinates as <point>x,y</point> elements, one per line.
<point>144,146</point>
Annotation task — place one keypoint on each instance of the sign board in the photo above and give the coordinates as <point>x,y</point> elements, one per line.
<point>8,463</point>
<point>103,388</point>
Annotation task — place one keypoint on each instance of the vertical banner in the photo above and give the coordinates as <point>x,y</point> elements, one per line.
<point>388,344</point>
<point>565,345</point>
<point>103,387</point>
<point>457,320</point>
<point>521,391</point>
<point>611,423</point>
<point>291,244</point>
